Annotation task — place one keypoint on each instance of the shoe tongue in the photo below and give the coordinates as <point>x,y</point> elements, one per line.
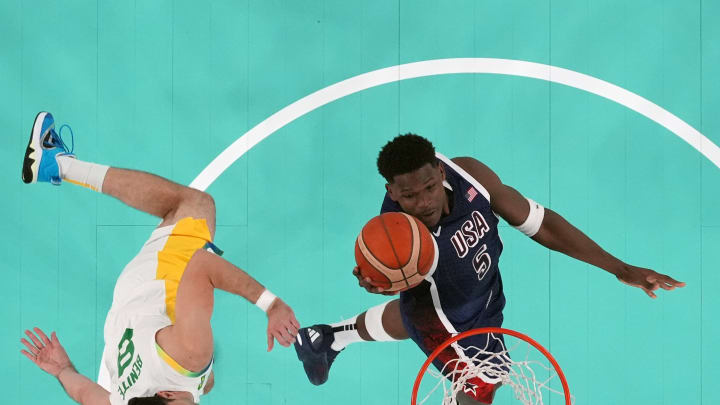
<point>50,139</point>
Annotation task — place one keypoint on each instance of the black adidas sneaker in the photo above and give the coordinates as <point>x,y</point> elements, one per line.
<point>312,346</point>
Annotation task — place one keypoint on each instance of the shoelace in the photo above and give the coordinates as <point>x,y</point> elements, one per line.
<point>62,143</point>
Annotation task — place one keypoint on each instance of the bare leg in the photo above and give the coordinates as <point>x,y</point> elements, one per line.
<point>158,196</point>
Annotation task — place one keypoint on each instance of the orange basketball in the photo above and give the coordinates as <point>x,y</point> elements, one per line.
<point>395,250</point>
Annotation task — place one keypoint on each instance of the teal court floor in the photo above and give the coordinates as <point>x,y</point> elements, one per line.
<point>166,86</point>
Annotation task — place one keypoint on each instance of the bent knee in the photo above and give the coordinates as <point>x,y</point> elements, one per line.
<point>196,204</point>
<point>204,203</point>
<point>207,207</point>
<point>196,200</point>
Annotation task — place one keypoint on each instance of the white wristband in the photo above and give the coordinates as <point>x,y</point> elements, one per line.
<point>532,224</point>
<point>265,300</point>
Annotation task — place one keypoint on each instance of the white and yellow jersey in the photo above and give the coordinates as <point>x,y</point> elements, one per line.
<point>134,365</point>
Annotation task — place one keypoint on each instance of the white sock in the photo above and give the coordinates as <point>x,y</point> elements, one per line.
<point>90,175</point>
<point>345,333</point>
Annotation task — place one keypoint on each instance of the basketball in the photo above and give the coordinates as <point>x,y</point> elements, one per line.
<point>396,251</point>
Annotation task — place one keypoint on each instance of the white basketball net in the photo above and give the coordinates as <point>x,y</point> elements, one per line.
<point>530,380</point>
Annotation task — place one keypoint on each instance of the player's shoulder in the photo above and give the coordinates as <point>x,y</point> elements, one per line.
<point>467,163</point>
<point>476,169</point>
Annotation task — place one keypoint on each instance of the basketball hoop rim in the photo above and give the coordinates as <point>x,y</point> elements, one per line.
<point>480,331</point>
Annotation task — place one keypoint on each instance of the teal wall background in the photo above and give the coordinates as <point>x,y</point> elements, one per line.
<point>165,86</point>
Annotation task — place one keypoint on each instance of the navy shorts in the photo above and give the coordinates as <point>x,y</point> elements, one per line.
<point>425,328</point>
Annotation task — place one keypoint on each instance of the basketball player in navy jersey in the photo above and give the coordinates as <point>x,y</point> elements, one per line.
<point>457,199</point>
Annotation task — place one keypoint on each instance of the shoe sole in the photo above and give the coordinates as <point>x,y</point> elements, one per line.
<point>33,152</point>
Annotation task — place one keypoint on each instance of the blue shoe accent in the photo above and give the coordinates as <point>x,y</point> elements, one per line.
<point>312,346</point>
<point>44,147</point>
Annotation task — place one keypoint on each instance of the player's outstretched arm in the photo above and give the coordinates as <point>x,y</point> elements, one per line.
<point>50,356</point>
<point>556,233</point>
<point>206,272</point>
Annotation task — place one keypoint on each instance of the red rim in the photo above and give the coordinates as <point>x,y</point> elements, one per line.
<point>480,331</point>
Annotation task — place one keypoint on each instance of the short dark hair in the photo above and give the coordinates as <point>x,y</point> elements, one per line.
<point>154,400</point>
<point>404,154</point>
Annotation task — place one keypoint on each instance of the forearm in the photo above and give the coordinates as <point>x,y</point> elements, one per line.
<point>74,383</point>
<point>559,235</point>
<point>226,276</point>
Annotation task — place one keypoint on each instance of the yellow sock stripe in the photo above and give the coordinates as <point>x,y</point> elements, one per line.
<point>81,184</point>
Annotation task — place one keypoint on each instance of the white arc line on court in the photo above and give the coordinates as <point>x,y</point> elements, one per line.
<point>454,66</point>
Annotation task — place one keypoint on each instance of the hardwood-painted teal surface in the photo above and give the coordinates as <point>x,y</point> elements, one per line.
<point>165,86</point>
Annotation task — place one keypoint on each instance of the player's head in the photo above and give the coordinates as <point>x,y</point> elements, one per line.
<point>165,398</point>
<point>414,177</point>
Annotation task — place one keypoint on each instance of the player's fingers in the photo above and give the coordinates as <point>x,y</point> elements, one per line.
<point>673,282</point>
<point>277,335</point>
<point>650,283</point>
<point>34,339</point>
<point>676,283</point>
<point>295,323</point>
<point>270,340</point>
<point>290,332</point>
<point>54,338</point>
<point>29,356</point>
<point>293,328</point>
<point>42,335</point>
<point>284,338</point>
<point>34,350</point>
<point>650,293</point>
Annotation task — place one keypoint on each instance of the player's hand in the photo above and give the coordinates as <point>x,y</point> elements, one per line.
<point>282,324</point>
<point>648,280</point>
<point>366,283</point>
<point>48,354</point>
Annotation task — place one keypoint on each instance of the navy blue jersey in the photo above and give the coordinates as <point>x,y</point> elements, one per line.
<point>466,288</point>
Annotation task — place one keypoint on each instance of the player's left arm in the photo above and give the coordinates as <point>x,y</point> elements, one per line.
<point>551,230</point>
<point>50,356</point>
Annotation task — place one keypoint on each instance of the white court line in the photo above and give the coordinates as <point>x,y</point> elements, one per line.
<point>454,66</point>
